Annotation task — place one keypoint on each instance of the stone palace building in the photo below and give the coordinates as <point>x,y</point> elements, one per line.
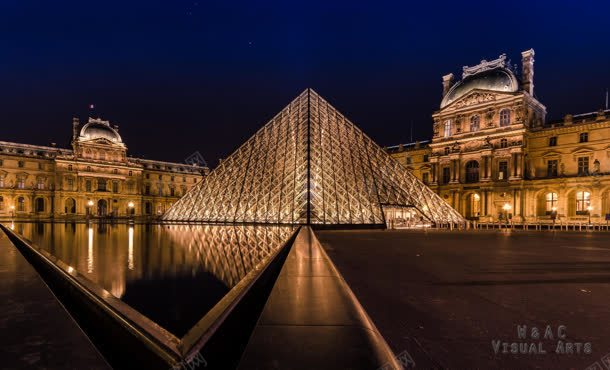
<point>95,178</point>
<point>494,155</point>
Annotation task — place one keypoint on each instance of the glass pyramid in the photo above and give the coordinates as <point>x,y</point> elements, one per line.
<point>308,165</point>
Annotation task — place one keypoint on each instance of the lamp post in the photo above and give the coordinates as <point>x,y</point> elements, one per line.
<point>89,205</point>
<point>130,206</point>
<point>589,209</point>
<point>506,207</point>
<point>12,211</point>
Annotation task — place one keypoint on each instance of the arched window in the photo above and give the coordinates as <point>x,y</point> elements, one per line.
<point>472,171</point>
<point>448,128</point>
<point>583,202</point>
<point>503,143</point>
<point>70,206</point>
<point>551,202</point>
<point>475,123</point>
<point>39,205</point>
<point>504,117</point>
<point>20,204</point>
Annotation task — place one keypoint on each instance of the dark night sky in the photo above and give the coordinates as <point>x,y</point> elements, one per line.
<point>180,76</point>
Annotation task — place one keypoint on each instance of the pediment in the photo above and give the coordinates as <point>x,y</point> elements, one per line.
<point>475,97</point>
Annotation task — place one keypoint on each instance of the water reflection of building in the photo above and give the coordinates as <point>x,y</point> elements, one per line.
<point>493,154</point>
<point>95,177</point>
<point>113,256</point>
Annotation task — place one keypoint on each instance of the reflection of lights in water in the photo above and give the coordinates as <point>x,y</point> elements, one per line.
<point>130,249</point>
<point>70,269</point>
<point>90,250</point>
<point>12,226</point>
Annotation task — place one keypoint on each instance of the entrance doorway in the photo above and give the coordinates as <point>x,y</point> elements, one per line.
<point>102,207</point>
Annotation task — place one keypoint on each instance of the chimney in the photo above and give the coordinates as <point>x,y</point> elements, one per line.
<point>527,65</point>
<point>447,83</point>
<point>75,124</point>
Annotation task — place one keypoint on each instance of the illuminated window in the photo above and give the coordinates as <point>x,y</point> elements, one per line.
<point>583,201</point>
<point>475,205</point>
<point>21,182</point>
<point>504,117</point>
<point>475,123</point>
<point>472,171</point>
<point>584,137</point>
<point>551,202</point>
<point>448,128</point>
<point>40,184</point>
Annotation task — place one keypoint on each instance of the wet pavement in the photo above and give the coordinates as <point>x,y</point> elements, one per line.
<point>451,299</point>
<point>37,333</point>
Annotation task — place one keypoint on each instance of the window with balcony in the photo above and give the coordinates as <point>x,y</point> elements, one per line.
<point>583,166</point>
<point>101,185</point>
<point>503,170</point>
<point>472,171</point>
<point>446,175</point>
<point>551,169</point>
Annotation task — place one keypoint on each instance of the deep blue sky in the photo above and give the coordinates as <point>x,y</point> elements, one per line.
<point>180,76</point>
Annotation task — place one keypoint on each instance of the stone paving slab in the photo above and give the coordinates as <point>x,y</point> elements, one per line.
<point>37,332</point>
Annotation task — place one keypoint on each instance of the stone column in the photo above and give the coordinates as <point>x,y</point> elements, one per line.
<point>434,166</point>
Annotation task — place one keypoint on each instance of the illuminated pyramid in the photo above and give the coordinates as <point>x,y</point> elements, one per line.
<point>308,165</point>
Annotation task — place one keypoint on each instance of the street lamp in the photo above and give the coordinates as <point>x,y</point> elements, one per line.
<point>589,209</point>
<point>130,206</point>
<point>12,210</point>
<point>506,207</point>
<point>553,215</point>
<point>89,205</point>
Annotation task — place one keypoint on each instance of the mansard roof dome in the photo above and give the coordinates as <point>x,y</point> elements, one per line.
<point>496,79</point>
<point>98,129</point>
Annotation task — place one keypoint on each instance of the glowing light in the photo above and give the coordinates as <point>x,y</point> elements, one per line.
<point>12,207</point>
<point>507,207</point>
<point>130,205</point>
<point>90,203</point>
<point>90,250</point>
<point>130,263</point>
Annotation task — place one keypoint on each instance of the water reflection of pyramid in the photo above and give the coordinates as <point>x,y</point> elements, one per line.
<point>308,165</point>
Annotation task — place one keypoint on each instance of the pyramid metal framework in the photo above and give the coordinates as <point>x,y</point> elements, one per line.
<point>308,165</point>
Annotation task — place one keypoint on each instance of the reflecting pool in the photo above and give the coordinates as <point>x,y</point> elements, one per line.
<point>173,274</point>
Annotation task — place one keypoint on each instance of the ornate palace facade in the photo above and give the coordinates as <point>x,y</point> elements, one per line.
<point>95,178</point>
<point>493,154</point>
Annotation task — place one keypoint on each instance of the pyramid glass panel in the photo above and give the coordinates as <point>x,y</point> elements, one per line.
<point>309,165</point>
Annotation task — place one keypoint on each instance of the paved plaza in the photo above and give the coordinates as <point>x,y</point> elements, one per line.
<point>447,298</point>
